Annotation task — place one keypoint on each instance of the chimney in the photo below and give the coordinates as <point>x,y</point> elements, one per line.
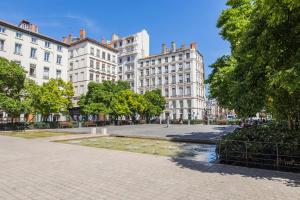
<point>114,37</point>
<point>65,40</point>
<point>82,33</point>
<point>183,46</point>
<point>34,28</point>
<point>164,48</point>
<point>173,46</point>
<point>70,38</point>
<point>193,45</point>
<point>103,41</point>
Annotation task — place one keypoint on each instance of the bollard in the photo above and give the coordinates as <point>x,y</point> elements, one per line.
<point>93,131</point>
<point>103,131</point>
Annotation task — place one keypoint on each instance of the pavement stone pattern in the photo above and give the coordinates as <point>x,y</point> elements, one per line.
<point>42,170</point>
<point>205,132</point>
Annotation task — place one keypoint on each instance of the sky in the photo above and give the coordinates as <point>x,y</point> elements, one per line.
<point>181,21</point>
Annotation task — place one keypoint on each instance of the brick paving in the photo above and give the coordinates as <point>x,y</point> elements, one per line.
<point>38,169</point>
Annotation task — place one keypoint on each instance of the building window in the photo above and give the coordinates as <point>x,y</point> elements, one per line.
<point>153,62</point>
<point>173,58</point>
<point>108,57</point>
<point>18,35</point>
<point>180,77</point>
<point>188,91</point>
<point>159,70</point>
<point>92,63</point>
<point>153,81</point>
<point>173,68</point>
<point>128,58</point>
<point>103,67</point>
<point>166,80</point>
<point>148,82</point>
<point>142,83</point>
<point>46,73</point>
<point>187,55</point>
<point>147,63</point>
<point>103,55</point>
<point>70,78</point>
<point>98,53</point>
<point>159,60</point>
<point>159,81</point>
<point>1,45</point>
<point>59,48</point>
<point>47,44</point>
<point>33,53</point>
<point>173,92</point>
<point>32,70</point>
<point>18,48</point>
<point>166,69</point>
<point>91,76</point>
<point>34,40</point>
<point>46,56</point>
<point>188,65</point>
<point>167,92</point>
<point>180,91</point>
<point>58,59</point>
<point>2,29</point>
<point>97,65</point>
<point>188,78</point>
<point>173,79</point>
<point>58,73</point>
<point>166,59</point>
<point>153,70</point>
<point>92,51</point>
<point>147,72</point>
<point>180,56</point>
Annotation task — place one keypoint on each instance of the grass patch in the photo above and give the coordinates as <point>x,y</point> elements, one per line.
<point>147,146</point>
<point>32,134</point>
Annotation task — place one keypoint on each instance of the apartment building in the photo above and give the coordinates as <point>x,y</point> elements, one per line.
<point>41,56</point>
<point>130,50</point>
<point>89,60</point>
<point>179,73</point>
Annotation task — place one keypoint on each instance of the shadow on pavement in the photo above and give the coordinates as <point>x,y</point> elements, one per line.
<point>289,179</point>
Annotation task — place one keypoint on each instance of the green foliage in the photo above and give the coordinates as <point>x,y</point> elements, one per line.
<point>117,99</point>
<point>263,70</point>
<point>51,97</point>
<point>12,77</point>
<point>155,103</point>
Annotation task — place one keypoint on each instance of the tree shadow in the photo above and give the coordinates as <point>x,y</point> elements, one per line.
<point>185,159</point>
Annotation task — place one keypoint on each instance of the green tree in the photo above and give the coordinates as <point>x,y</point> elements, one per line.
<point>12,77</point>
<point>154,104</point>
<point>265,48</point>
<point>52,97</point>
<point>106,97</point>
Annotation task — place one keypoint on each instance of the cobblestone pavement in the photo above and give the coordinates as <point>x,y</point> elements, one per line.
<point>41,170</point>
<point>204,132</point>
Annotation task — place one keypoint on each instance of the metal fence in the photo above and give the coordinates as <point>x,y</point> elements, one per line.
<point>281,156</point>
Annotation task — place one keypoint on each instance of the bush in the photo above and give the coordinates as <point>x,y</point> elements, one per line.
<point>267,146</point>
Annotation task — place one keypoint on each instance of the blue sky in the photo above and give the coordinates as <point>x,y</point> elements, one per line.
<point>182,21</point>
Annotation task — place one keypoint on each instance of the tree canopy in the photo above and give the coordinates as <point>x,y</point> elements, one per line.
<point>116,99</point>
<point>52,97</point>
<point>263,70</point>
<point>12,78</point>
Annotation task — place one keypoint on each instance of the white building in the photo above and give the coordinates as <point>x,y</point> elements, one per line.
<point>130,50</point>
<point>179,73</point>
<point>42,57</point>
<point>89,60</point>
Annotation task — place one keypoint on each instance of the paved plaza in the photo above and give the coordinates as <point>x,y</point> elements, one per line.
<point>39,169</point>
<point>200,132</point>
